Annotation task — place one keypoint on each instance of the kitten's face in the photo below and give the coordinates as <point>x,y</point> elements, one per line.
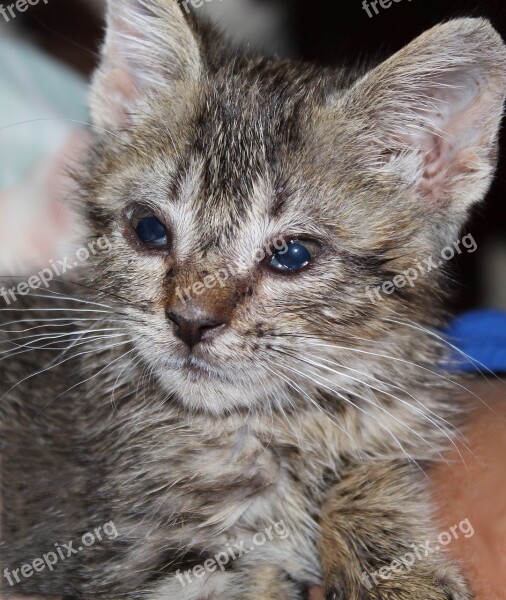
<point>250,208</point>
<point>241,186</point>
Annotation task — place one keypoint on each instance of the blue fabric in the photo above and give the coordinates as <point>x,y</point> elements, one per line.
<point>481,334</point>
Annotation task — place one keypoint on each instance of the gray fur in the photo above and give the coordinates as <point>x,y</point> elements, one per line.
<point>313,391</point>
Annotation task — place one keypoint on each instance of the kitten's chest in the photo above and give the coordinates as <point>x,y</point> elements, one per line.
<point>239,481</point>
<point>244,491</point>
<point>240,473</point>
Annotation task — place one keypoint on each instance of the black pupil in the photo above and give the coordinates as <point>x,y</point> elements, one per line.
<point>150,231</point>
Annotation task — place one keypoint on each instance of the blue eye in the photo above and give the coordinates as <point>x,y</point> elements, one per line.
<point>151,231</point>
<point>297,256</point>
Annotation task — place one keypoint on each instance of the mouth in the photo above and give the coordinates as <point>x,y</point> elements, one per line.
<point>198,370</point>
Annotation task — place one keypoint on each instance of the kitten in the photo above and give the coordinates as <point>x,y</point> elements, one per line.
<point>200,414</point>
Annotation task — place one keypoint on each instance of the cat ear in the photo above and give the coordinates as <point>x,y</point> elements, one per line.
<point>149,47</point>
<point>430,115</point>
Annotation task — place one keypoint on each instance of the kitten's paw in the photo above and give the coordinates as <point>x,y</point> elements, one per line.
<point>453,584</point>
<point>337,593</point>
<point>442,583</point>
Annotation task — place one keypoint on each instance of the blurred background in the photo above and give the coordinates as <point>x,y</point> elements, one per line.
<point>52,96</point>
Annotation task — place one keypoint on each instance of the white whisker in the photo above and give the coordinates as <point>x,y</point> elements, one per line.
<point>40,372</point>
<point>415,409</point>
<point>376,405</point>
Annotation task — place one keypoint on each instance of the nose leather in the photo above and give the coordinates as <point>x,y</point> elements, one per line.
<point>194,326</point>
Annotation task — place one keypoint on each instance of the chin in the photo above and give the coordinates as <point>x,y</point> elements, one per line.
<point>207,392</point>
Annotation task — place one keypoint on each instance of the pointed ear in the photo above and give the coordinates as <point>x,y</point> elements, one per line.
<point>430,115</point>
<point>149,47</point>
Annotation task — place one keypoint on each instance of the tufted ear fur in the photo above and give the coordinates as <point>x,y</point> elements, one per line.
<point>430,115</point>
<point>149,47</point>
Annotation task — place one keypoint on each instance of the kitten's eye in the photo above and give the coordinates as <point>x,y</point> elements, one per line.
<point>151,231</point>
<point>297,256</point>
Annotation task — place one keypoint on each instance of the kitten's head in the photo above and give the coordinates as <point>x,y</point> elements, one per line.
<point>252,203</point>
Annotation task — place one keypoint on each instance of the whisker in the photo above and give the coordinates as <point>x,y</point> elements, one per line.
<point>397,359</point>
<point>66,309</point>
<point>407,404</point>
<point>48,336</point>
<point>53,295</point>
<point>347,400</point>
<point>117,379</point>
<point>374,378</point>
<point>78,122</point>
<point>469,358</point>
<point>40,372</point>
<point>297,388</point>
<point>84,381</point>
<point>378,406</point>
<point>61,322</point>
<point>53,346</point>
